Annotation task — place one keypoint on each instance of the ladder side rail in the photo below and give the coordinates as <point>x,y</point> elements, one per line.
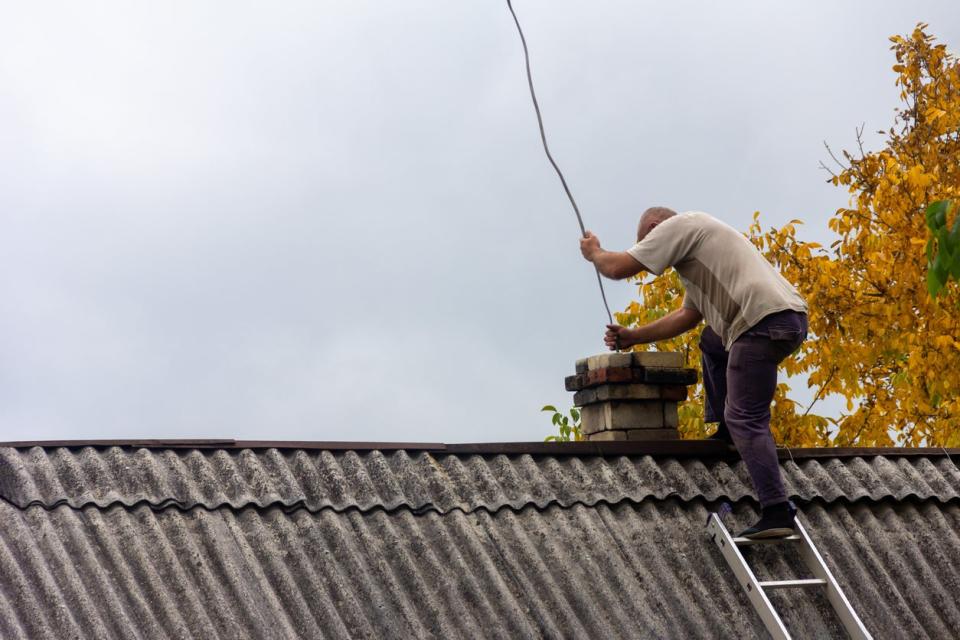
<point>814,561</point>
<point>746,577</point>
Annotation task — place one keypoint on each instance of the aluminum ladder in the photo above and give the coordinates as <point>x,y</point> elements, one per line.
<point>756,589</point>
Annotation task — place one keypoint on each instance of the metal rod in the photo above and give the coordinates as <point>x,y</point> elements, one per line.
<point>546,149</point>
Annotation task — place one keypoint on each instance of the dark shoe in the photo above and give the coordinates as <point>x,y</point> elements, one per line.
<point>722,434</point>
<point>776,521</point>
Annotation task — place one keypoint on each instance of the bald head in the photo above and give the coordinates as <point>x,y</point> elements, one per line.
<point>651,218</point>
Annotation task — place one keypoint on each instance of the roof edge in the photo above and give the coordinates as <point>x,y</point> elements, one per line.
<point>673,448</point>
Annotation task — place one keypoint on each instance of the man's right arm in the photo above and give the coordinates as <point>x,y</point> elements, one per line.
<point>669,326</point>
<point>616,265</point>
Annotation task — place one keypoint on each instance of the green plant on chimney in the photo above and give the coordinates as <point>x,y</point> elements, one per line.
<point>568,426</point>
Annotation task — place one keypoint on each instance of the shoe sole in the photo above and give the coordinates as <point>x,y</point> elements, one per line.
<point>780,532</point>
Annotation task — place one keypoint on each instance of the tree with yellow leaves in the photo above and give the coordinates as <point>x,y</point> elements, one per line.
<point>878,338</point>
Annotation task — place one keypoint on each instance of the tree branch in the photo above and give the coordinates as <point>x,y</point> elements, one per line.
<point>820,391</point>
<point>830,151</point>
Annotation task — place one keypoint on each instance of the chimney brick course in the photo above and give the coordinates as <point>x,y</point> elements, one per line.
<point>630,396</point>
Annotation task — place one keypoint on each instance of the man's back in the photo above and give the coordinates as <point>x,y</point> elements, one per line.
<point>726,278</point>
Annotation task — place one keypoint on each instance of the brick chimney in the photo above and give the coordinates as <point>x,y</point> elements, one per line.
<point>630,396</point>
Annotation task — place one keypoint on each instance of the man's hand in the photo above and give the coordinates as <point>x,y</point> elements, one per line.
<point>618,337</point>
<point>616,265</point>
<point>589,246</point>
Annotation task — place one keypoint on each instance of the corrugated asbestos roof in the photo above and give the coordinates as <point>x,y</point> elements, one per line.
<point>126,543</point>
<point>421,481</point>
<point>608,571</point>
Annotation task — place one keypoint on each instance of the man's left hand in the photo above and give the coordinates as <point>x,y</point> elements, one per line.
<point>589,246</point>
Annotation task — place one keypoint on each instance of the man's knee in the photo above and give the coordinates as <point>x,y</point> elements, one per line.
<point>747,427</point>
<point>750,414</point>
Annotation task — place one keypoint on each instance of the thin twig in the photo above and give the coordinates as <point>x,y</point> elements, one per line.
<point>820,392</point>
<point>830,151</point>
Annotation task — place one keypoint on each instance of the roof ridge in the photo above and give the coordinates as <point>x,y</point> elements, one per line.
<point>673,448</point>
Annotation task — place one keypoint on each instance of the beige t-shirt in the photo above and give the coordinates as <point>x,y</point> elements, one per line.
<point>726,278</point>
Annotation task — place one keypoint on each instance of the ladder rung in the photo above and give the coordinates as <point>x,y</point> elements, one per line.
<point>746,542</point>
<point>786,584</point>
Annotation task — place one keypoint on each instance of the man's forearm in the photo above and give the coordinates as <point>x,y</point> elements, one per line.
<point>616,265</point>
<point>669,326</point>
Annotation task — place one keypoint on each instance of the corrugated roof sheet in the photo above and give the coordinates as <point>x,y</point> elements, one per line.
<point>614,571</point>
<point>119,542</point>
<point>420,481</point>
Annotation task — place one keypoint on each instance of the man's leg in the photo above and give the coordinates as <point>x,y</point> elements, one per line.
<point>751,382</point>
<point>713,358</point>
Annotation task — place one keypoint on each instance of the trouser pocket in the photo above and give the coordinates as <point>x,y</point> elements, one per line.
<point>786,341</point>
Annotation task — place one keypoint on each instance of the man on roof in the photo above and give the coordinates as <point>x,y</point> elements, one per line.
<point>755,319</point>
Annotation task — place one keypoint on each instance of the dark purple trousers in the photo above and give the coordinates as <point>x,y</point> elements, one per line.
<point>739,386</point>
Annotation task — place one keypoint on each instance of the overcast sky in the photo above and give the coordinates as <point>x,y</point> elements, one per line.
<point>334,220</point>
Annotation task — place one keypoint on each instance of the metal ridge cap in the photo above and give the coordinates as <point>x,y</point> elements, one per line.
<point>672,448</point>
<point>227,443</point>
<point>680,448</point>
